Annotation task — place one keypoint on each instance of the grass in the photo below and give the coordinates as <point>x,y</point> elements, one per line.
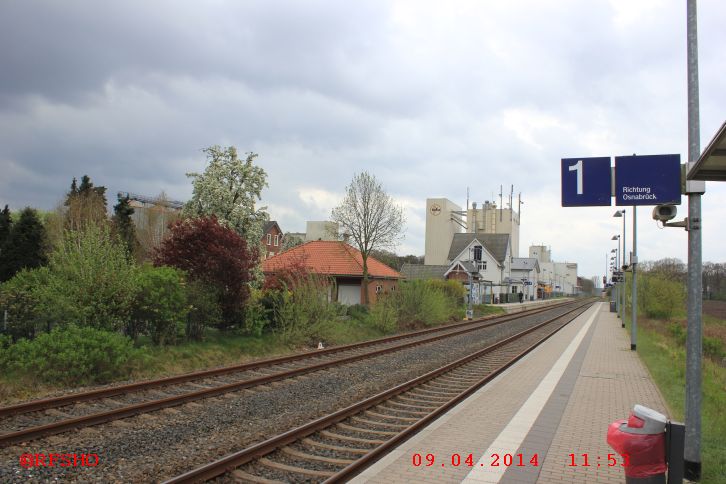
<point>665,357</point>
<point>487,309</point>
<point>218,349</point>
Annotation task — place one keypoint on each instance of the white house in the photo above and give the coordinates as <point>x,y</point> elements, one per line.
<point>525,276</point>
<point>487,258</point>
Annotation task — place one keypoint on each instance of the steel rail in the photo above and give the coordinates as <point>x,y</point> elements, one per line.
<point>249,454</point>
<point>55,402</point>
<point>60,426</point>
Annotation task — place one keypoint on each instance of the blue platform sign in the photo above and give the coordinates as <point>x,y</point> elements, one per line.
<point>647,180</point>
<point>586,182</point>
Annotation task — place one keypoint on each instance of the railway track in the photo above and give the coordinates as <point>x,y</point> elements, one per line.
<point>32,420</point>
<point>338,446</point>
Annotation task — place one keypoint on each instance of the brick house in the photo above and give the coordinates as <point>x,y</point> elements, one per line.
<point>344,264</point>
<point>271,239</point>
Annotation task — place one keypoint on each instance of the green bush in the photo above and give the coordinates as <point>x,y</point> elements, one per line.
<point>22,298</point>
<point>204,310</point>
<point>160,306</point>
<point>256,314</point>
<point>71,356</point>
<point>660,298</point>
<point>303,313</point>
<point>713,347</point>
<point>91,280</point>
<point>384,314</point>
<point>419,303</point>
<point>357,311</point>
<point>678,333</point>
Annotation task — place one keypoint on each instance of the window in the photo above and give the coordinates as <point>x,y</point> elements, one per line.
<point>393,288</point>
<point>271,254</point>
<point>379,288</point>
<point>269,239</point>
<point>477,252</point>
<point>482,265</point>
<point>277,240</point>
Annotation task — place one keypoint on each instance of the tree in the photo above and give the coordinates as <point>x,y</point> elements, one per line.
<point>85,205</point>
<point>123,226</point>
<point>24,246</point>
<point>291,241</point>
<point>369,215</point>
<point>214,254</point>
<point>6,222</point>
<point>91,280</point>
<point>228,189</point>
<point>152,225</point>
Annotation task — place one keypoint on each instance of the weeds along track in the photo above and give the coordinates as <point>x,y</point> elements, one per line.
<point>39,418</point>
<point>336,447</point>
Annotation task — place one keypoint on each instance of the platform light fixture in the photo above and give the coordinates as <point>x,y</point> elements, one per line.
<point>619,214</point>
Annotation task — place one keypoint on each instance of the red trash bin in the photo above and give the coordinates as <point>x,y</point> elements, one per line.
<point>642,439</point>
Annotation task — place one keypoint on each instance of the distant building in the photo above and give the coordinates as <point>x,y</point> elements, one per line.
<point>525,277</point>
<point>323,230</point>
<point>443,220</point>
<point>271,239</point>
<point>558,278</point>
<point>341,262</point>
<point>490,219</point>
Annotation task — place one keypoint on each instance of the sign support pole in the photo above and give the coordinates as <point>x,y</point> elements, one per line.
<point>694,333</point>
<point>634,295</point>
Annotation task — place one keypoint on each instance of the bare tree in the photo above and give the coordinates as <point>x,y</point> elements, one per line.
<point>370,217</point>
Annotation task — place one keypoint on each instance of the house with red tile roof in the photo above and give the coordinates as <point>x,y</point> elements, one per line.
<point>341,262</point>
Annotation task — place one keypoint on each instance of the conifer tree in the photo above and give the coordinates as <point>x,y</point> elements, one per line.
<point>86,205</point>
<point>6,223</point>
<point>25,245</point>
<point>123,225</point>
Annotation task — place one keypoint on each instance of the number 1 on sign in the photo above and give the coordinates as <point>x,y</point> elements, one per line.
<point>578,168</point>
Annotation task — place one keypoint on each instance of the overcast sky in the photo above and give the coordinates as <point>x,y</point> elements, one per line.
<point>431,97</point>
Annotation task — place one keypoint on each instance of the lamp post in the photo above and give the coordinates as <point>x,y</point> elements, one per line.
<point>621,213</point>
<point>617,265</point>
<point>616,287</point>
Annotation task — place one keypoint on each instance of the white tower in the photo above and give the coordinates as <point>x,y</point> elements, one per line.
<point>443,220</point>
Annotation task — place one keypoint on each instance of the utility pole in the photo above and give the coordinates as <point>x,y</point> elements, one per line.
<point>694,333</point>
<point>634,294</point>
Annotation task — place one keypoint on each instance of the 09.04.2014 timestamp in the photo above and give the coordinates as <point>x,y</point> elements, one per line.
<point>587,460</point>
<point>456,460</point>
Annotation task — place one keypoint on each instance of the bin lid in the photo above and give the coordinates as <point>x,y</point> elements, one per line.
<point>653,422</point>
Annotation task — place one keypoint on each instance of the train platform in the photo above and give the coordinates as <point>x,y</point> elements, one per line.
<point>516,307</point>
<point>540,420</point>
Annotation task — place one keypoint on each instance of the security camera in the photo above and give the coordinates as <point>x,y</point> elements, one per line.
<point>665,212</point>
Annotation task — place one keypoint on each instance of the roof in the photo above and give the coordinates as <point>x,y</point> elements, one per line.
<point>524,264</point>
<point>331,258</point>
<point>496,244</point>
<point>711,165</point>
<point>420,271</point>
<point>268,226</point>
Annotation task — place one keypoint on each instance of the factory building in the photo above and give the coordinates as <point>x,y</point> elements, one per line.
<point>445,218</point>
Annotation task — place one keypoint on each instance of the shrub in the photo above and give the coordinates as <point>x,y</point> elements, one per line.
<point>358,311</point>
<point>160,306</point>
<point>204,310</point>
<point>21,297</point>
<point>660,297</point>
<point>419,303</point>
<point>678,333</point>
<point>256,314</point>
<point>302,313</point>
<point>91,280</point>
<point>71,356</point>
<point>216,255</point>
<point>384,314</point>
<point>713,347</point>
